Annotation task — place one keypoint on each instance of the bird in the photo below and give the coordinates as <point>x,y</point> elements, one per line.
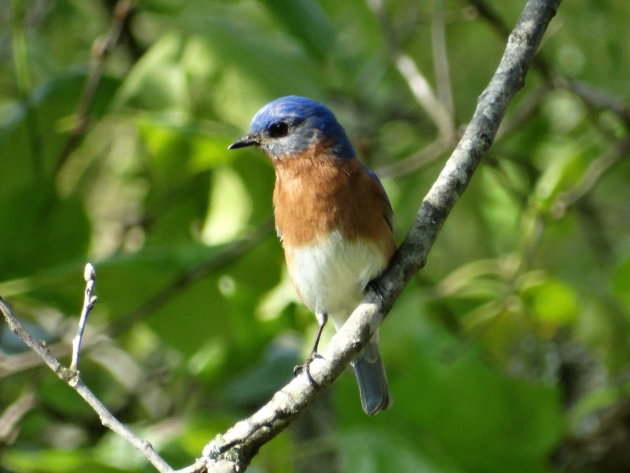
<point>333,218</point>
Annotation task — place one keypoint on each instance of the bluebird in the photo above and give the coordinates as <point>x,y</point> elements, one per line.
<point>334,220</point>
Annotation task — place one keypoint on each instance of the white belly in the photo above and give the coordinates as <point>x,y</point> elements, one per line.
<point>331,276</point>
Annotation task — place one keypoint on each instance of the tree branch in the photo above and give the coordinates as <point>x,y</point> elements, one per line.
<point>88,303</point>
<point>73,380</point>
<point>23,361</point>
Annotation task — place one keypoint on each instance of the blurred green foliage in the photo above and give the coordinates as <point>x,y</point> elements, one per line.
<point>508,353</point>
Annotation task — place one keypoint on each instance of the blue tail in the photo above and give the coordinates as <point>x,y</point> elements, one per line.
<point>372,380</point>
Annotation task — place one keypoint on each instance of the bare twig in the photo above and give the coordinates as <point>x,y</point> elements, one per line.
<point>22,361</point>
<point>416,80</point>
<point>127,37</point>
<point>523,111</point>
<point>422,158</point>
<point>17,362</point>
<point>101,49</point>
<point>88,302</point>
<point>422,91</point>
<point>440,57</point>
<point>485,11</point>
<point>600,99</point>
<point>71,377</point>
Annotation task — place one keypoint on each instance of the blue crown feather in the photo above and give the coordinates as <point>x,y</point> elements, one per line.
<point>309,121</point>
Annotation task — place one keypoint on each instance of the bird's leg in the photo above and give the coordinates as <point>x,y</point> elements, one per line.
<point>322,318</point>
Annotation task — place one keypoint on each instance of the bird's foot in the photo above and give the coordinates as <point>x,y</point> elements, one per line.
<point>375,286</point>
<point>306,367</point>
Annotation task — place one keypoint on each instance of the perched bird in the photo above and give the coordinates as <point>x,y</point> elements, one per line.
<point>333,218</point>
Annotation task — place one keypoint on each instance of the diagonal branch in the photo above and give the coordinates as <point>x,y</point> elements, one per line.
<point>72,378</point>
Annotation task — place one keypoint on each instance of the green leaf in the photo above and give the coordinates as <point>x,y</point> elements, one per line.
<point>230,207</point>
<point>306,21</point>
<point>564,165</point>
<point>247,64</point>
<point>31,141</point>
<point>461,403</point>
<point>175,150</point>
<point>40,230</point>
<point>157,81</point>
<point>621,283</point>
<point>55,461</point>
<point>553,302</point>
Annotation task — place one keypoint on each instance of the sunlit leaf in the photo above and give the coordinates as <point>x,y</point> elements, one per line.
<point>305,20</point>
<point>40,230</point>
<point>33,137</point>
<point>553,302</point>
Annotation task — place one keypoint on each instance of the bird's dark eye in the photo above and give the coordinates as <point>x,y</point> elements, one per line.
<point>278,129</point>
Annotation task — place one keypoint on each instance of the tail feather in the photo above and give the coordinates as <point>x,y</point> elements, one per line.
<point>372,380</point>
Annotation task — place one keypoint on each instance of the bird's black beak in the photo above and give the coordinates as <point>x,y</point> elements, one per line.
<point>249,140</point>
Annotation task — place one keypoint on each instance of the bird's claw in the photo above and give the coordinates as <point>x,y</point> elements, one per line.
<point>306,367</point>
<point>375,286</point>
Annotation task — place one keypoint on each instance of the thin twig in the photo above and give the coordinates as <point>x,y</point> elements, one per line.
<point>127,37</point>
<point>101,49</point>
<point>590,177</point>
<point>523,111</point>
<point>13,414</point>
<point>89,299</point>
<point>422,158</point>
<point>72,378</point>
<point>440,57</point>
<point>10,364</point>
<point>413,76</point>
<point>600,99</point>
<point>22,361</point>
<point>422,91</point>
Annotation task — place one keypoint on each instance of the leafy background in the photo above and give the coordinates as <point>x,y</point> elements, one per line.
<point>508,353</point>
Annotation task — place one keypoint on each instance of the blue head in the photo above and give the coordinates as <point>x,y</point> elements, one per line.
<point>291,125</point>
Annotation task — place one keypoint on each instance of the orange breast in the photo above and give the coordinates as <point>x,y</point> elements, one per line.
<point>314,196</point>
